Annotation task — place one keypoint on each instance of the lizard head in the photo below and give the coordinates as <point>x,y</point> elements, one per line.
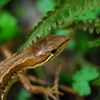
<point>50,46</point>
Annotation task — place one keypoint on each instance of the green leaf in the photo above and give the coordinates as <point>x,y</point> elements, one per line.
<point>86,74</point>
<point>82,87</point>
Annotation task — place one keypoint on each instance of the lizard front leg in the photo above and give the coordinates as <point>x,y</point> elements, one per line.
<point>48,92</point>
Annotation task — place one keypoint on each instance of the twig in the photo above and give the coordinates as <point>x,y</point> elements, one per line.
<point>57,73</point>
<point>4,50</point>
<point>65,88</point>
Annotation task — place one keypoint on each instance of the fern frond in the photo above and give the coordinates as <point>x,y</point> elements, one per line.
<point>85,25</point>
<point>61,12</point>
<point>94,43</point>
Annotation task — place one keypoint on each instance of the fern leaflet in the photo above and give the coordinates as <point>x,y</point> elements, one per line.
<point>94,43</point>
<point>61,12</point>
<point>85,25</point>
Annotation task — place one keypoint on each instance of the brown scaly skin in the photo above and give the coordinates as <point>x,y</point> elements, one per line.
<point>36,55</point>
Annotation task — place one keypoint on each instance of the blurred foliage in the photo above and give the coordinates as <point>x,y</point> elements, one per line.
<point>23,95</point>
<point>97,98</point>
<point>40,73</point>
<point>45,5</point>
<point>81,40</point>
<point>8,26</point>
<point>68,18</point>
<point>94,43</point>
<point>65,79</point>
<point>96,82</point>
<point>3,2</point>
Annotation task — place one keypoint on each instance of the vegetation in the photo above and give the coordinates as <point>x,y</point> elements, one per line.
<point>77,18</point>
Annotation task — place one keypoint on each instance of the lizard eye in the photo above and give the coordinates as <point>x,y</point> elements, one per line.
<point>54,51</point>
